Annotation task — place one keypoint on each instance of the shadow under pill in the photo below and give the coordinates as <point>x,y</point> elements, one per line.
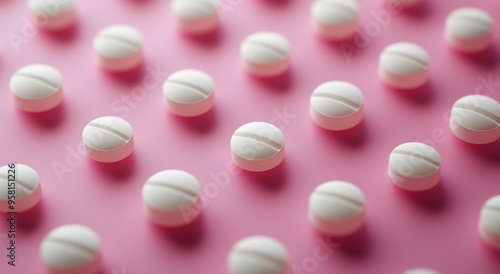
<point>202,124</point>
<point>280,83</point>
<point>272,180</point>
<point>132,77</point>
<point>354,137</point>
<point>117,171</point>
<point>31,219</point>
<point>209,39</point>
<point>432,200</point>
<point>139,1</point>
<point>277,3</point>
<point>421,11</point>
<point>63,35</point>
<point>491,252</point>
<point>422,95</point>
<point>48,119</point>
<point>486,152</point>
<point>188,236</point>
<point>486,59</point>
<point>355,246</point>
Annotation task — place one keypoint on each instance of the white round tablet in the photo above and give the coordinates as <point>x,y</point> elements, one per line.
<point>36,88</point>
<point>196,16</point>
<point>475,119</point>
<point>415,166</point>
<point>71,249</point>
<point>53,14</point>
<point>404,65</point>
<point>337,208</point>
<point>258,254</point>
<point>266,54</point>
<point>119,47</point>
<point>108,139</point>
<point>489,222</point>
<point>336,105</point>
<point>189,92</point>
<point>172,198</point>
<point>25,182</point>
<point>469,30</point>
<point>335,19</point>
<point>258,146</point>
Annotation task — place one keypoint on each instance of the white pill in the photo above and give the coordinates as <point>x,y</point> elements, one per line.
<point>25,182</point>
<point>172,198</point>
<point>337,208</point>
<point>420,271</point>
<point>475,119</point>
<point>258,254</point>
<point>258,146</point>
<point>36,88</point>
<point>189,92</point>
<point>489,222</point>
<point>119,47</point>
<point>335,19</point>
<point>266,54</point>
<point>71,249</point>
<point>196,16</point>
<point>108,139</point>
<point>404,65</point>
<point>336,105</point>
<point>53,14</point>
<point>414,166</point>
<point>469,30</point>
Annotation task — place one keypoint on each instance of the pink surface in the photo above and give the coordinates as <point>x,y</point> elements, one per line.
<point>436,229</point>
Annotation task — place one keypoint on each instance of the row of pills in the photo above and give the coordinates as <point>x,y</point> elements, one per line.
<point>172,199</point>
<point>467,29</point>
<point>334,105</point>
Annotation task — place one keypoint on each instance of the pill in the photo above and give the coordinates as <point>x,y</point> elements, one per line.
<point>189,92</point>
<point>469,30</point>
<point>108,139</point>
<point>266,54</point>
<point>257,146</point>
<point>414,166</point>
<point>336,105</point>
<point>119,47</point>
<point>172,198</point>
<point>335,19</point>
<point>25,183</point>
<point>475,119</point>
<point>337,208</point>
<point>71,249</point>
<point>53,15</point>
<point>36,88</point>
<point>258,254</point>
<point>489,222</point>
<point>196,17</point>
<point>420,271</point>
<point>404,65</point>
<point>404,4</point>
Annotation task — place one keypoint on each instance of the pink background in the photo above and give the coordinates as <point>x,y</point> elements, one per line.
<point>435,229</point>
